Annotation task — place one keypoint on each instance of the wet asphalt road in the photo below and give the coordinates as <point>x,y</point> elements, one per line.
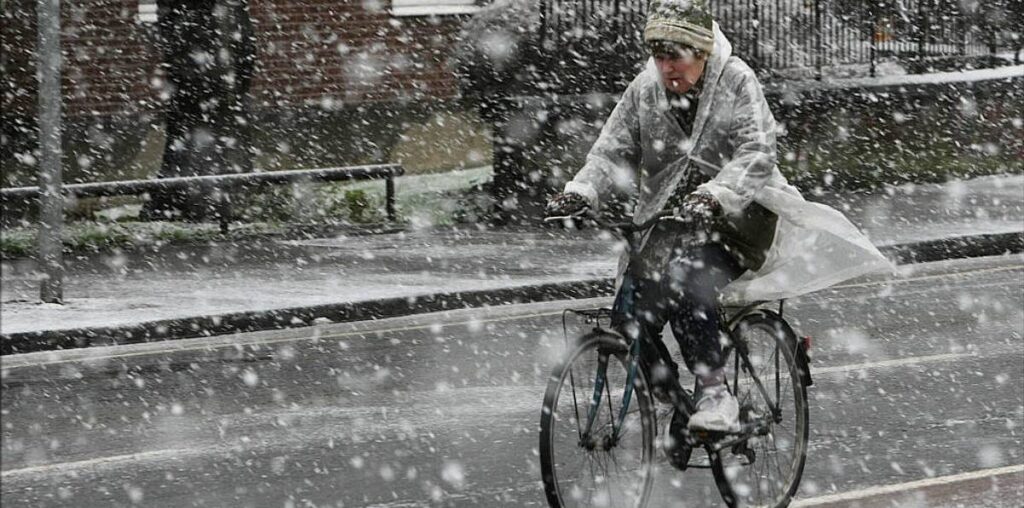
<point>915,379</point>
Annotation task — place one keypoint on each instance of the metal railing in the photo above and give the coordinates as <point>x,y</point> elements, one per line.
<point>224,184</point>
<point>591,45</point>
<point>777,35</point>
<point>780,35</point>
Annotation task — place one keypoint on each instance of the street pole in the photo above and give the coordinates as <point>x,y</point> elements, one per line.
<point>51,200</point>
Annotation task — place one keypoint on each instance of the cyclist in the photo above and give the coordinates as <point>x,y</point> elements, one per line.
<point>693,133</point>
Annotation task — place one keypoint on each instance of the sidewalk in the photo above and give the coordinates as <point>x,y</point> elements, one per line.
<point>182,291</point>
<point>897,81</point>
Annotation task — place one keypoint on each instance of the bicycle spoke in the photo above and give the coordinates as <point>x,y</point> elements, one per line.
<point>575,404</point>
<point>611,411</point>
<point>764,381</point>
<point>778,396</point>
<point>610,465</point>
<point>759,482</point>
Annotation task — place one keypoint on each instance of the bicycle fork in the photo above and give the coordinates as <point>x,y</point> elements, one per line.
<point>600,385</point>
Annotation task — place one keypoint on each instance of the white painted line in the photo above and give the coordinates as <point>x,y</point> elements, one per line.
<point>889,363</point>
<point>102,461</point>
<point>14,361</point>
<point>203,343</point>
<point>854,495</point>
<point>914,360</point>
<point>928,277</point>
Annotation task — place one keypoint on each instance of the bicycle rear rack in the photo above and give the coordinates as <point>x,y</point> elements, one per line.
<point>590,316</point>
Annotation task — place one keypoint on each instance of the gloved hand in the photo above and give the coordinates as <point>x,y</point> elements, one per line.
<point>566,205</point>
<point>701,206</point>
<point>697,209</point>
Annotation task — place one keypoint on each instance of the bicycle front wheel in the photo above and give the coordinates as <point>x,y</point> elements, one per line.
<point>769,384</point>
<point>597,454</point>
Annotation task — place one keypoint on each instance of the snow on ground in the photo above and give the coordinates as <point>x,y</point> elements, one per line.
<point>420,262</point>
<point>1009,72</point>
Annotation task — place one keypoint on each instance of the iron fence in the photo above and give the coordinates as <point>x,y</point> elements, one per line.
<point>781,36</point>
<point>816,34</point>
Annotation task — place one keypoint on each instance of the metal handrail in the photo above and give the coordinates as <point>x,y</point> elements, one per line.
<point>225,181</point>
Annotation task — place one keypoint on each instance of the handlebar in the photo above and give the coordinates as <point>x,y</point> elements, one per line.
<point>630,227</point>
<point>628,231</point>
<point>625,229</point>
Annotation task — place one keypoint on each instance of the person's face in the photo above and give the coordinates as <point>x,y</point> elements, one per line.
<point>680,67</point>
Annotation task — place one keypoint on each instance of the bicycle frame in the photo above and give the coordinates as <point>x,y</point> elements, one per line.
<point>600,388</point>
<point>757,335</point>
<point>600,381</point>
<point>689,405</point>
<point>742,353</point>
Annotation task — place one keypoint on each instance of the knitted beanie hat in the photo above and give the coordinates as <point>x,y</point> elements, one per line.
<point>683,21</point>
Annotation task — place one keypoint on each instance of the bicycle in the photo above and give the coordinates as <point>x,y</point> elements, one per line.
<point>599,426</point>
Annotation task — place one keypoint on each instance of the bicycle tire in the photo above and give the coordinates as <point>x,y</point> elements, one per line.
<point>739,478</point>
<point>563,485</point>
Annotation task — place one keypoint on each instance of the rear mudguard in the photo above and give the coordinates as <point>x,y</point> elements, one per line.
<point>803,359</point>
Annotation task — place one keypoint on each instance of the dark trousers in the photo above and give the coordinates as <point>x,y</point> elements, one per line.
<point>686,297</point>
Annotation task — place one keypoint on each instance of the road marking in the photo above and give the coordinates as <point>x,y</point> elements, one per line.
<point>208,347</point>
<point>9,359</point>
<point>461,405</point>
<point>913,360</point>
<point>928,277</point>
<point>102,461</point>
<point>889,363</point>
<point>854,495</point>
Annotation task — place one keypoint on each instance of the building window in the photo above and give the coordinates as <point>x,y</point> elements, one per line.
<point>433,7</point>
<point>147,11</point>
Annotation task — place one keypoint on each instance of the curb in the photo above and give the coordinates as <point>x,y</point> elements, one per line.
<point>296,317</point>
<point>974,246</point>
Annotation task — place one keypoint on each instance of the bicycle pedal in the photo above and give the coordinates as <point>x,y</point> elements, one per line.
<point>679,457</point>
<point>709,434</point>
<point>704,437</point>
<point>742,450</point>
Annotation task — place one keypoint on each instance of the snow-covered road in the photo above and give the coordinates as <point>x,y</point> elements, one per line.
<point>918,397</point>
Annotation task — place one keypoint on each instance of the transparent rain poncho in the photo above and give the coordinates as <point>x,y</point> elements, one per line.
<point>642,150</point>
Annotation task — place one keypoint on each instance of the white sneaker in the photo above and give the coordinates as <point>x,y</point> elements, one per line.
<point>717,411</point>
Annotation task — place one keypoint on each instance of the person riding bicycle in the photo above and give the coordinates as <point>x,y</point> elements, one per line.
<point>693,134</point>
<point>692,94</point>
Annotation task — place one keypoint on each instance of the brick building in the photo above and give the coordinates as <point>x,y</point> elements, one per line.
<point>335,82</point>
<point>308,51</point>
<point>329,75</point>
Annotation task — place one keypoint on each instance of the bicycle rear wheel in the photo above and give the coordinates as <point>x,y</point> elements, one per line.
<point>769,385</point>
<point>598,468</point>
